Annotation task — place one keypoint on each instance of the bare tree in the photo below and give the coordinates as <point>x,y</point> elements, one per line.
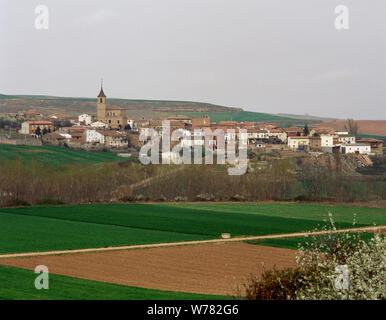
<point>351,126</point>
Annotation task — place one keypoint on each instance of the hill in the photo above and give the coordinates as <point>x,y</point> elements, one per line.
<point>137,109</point>
<point>368,127</point>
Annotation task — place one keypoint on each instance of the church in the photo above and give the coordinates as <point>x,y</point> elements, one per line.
<point>114,116</point>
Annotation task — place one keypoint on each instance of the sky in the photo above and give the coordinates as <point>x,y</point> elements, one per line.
<point>271,56</point>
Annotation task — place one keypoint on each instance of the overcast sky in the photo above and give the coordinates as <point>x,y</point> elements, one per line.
<point>273,56</point>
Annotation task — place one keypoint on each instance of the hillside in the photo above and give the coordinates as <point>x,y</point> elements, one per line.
<point>54,156</point>
<point>137,109</point>
<point>369,127</point>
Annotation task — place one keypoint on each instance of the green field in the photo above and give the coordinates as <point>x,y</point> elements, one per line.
<point>53,155</point>
<point>18,284</point>
<point>238,116</point>
<point>27,229</point>
<point>293,242</point>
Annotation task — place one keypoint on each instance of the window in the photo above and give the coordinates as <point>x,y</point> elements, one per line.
<point>109,121</point>
<point>100,100</point>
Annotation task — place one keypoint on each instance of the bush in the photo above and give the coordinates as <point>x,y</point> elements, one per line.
<point>17,202</point>
<point>237,197</point>
<point>180,199</point>
<point>205,197</point>
<point>276,284</point>
<point>161,198</point>
<point>127,199</point>
<point>49,202</point>
<point>347,268</point>
<point>301,198</point>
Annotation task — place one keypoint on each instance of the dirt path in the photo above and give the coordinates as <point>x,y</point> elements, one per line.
<point>184,243</point>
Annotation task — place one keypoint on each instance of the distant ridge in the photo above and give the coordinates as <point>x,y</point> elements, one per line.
<point>136,108</point>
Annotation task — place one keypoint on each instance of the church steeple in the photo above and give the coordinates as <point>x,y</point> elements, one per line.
<point>101,104</point>
<point>101,93</point>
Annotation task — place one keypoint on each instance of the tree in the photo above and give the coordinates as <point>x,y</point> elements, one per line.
<point>306,131</point>
<point>45,131</point>
<point>351,126</point>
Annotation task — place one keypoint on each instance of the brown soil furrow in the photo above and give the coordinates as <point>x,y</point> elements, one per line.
<point>219,268</point>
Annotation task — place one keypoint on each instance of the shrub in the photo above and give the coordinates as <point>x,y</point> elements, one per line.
<point>347,268</point>
<point>276,284</point>
<point>180,198</point>
<point>49,202</point>
<point>161,198</point>
<point>17,202</point>
<point>205,197</point>
<point>127,198</point>
<point>237,197</point>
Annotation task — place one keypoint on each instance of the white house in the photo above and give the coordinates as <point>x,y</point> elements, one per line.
<point>297,142</point>
<point>99,124</point>
<point>85,119</point>
<point>326,140</point>
<point>346,138</point>
<point>278,133</point>
<point>355,148</point>
<point>93,136</point>
<point>130,122</point>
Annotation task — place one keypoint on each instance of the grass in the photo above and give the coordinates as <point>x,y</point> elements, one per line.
<point>53,155</point>
<point>18,284</point>
<point>20,233</point>
<point>293,242</point>
<point>27,229</point>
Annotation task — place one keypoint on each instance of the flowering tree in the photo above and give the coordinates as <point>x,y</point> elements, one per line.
<point>343,267</point>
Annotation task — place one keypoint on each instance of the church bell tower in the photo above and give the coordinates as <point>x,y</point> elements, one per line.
<point>101,105</point>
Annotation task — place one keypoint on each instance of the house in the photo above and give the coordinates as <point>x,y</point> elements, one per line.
<point>298,143</point>
<point>376,145</point>
<point>85,119</point>
<point>327,140</point>
<point>99,124</point>
<point>315,143</point>
<point>355,148</point>
<point>114,139</point>
<point>30,127</point>
<point>130,122</point>
<point>293,131</point>
<point>278,133</point>
<point>346,138</point>
<point>53,138</point>
<point>93,136</point>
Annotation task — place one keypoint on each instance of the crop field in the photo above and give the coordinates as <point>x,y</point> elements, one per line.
<point>54,156</point>
<point>17,284</point>
<point>293,242</point>
<point>217,269</point>
<point>27,229</point>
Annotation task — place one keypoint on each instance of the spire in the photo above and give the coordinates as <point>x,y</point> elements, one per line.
<point>101,93</point>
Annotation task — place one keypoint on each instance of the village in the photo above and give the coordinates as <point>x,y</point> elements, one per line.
<point>110,128</point>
